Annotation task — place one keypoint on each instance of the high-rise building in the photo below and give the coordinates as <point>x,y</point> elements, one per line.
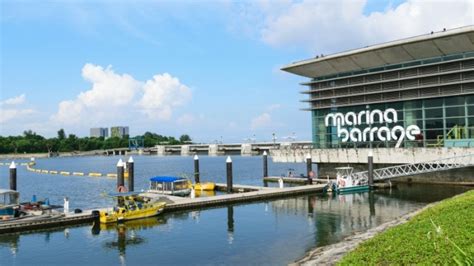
<point>99,132</point>
<point>415,92</point>
<point>119,131</point>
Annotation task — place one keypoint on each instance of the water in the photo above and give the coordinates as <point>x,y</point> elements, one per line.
<point>272,233</point>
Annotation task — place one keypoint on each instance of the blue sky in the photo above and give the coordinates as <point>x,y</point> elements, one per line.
<point>205,68</point>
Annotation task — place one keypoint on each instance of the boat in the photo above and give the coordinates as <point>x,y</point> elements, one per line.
<point>9,204</point>
<point>131,206</point>
<point>345,182</point>
<point>169,185</point>
<point>206,186</point>
<point>291,173</point>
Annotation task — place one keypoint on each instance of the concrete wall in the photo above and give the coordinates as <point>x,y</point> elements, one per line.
<point>381,155</point>
<point>329,159</point>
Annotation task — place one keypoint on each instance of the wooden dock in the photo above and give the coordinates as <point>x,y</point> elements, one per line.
<point>263,193</point>
<point>243,194</point>
<point>293,180</point>
<point>29,224</point>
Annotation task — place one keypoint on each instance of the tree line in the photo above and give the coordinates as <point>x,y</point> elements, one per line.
<point>30,142</point>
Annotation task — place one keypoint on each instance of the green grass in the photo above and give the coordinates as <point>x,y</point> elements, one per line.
<point>442,234</point>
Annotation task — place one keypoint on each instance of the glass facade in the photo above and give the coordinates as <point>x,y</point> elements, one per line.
<point>443,122</point>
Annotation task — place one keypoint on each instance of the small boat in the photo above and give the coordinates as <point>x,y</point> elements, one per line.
<point>131,206</point>
<point>169,185</point>
<point>206,186</point>
<point>291,173</point>
<point>345,182</point>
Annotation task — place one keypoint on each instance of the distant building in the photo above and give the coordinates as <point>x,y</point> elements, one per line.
<point>119,131</point>
<point>99,132</point>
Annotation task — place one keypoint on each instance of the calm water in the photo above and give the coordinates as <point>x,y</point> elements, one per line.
<point>273,232</point>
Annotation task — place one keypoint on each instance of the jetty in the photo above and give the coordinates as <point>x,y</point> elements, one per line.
<point>241,194</point>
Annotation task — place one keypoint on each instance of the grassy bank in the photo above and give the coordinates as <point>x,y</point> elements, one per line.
<point>442,234</point>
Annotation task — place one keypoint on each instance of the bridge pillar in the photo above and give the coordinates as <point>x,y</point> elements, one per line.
<point>246,149</point>
<point>185,151</point>
<point>160,150</point>
<point>214,150</point>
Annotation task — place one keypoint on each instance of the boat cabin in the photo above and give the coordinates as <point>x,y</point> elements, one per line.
<point>9,200</point>
<point>169,185</point>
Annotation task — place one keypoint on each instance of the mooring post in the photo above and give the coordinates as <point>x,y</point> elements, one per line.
<point>131,174</point>
<point>229,174</point>
<point>265,164</point>
<point>196,169</point>
<point>309,168</point>
<point>370,160</point>
<point>13,176</point>
<point>120,178</point>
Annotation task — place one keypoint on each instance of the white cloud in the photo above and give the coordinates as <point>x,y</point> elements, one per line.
<point>12,114</point>
<point>273,107</point>
<point>11,109</point>
<point>262,121</point>
<point>185,119</point>
<point>15,100</point>
<point>332,26</point>
<point>116,98</point>
<point>108,88</point>
<point>162,94</point>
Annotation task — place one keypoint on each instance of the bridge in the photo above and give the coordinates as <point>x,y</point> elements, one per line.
<point>411,169</point>
<point>227,148</point>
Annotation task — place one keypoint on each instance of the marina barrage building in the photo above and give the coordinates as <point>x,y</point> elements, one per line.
<point>415,92</point>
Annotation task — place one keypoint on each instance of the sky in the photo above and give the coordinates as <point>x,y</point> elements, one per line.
<point>209,69</point>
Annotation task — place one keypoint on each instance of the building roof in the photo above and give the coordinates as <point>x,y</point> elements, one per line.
<point>166,179</point>
<point>425,46</point>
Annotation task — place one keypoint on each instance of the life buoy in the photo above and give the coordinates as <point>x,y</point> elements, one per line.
<point>121,189</point>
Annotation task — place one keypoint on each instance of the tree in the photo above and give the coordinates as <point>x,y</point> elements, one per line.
<point>61,134</point>
<point>185,138</point>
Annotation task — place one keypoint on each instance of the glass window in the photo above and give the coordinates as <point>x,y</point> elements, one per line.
<point>455,111</point>
<point>454,101</point>
<point>413,104</point>
<point>470,109</point>
<point>397,106</point>
<point>470,99</point>
<point>413,114</point>
<point>434,113</point>
<point>451,122</point>
<point>433,134</point>
<point>433,103</point>
<point>434,123</point>
<point>470,121</point>
<point>419,123</point>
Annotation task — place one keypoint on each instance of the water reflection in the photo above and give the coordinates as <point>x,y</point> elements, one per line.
<point>230,224</point>
<point>272,232</point>
<point>127,233</point>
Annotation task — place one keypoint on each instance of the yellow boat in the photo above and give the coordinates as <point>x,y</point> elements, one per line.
<point>131,206</point>
<point>207,186</point>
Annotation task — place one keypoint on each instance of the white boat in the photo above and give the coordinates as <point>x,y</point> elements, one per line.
<point>169,185</point>
<point>345,183</point>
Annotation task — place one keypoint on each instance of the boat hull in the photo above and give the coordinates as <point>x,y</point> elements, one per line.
<point>127,215</point>
<point>353,189</point>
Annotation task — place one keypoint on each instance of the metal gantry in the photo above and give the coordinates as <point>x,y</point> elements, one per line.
<point>417,168</point>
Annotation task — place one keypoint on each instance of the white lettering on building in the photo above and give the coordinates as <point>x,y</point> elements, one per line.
<point>369,133</point>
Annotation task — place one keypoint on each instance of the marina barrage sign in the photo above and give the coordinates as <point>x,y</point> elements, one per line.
<point>383,133</point>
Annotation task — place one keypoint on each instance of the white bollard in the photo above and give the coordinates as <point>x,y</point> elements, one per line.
<point>280,182</point>
<point>193,193</point>
<point>66,205</point>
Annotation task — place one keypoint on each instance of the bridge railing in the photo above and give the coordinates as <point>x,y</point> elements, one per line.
<point>418,168</point>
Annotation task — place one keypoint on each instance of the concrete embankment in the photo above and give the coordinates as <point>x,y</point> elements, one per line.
<point>331,254</point>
